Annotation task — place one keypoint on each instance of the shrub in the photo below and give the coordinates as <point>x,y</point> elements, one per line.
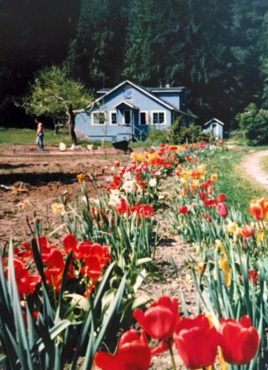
<point>255,123</point>
<point>157,137</point>
<point>179,134</point>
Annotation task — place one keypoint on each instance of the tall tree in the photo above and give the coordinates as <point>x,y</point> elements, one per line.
<point>33,34</point>
<point>95,55</point>
<point>54,95</point>
<point>246,31</point>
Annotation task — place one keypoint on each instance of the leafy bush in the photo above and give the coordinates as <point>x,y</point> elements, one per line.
<point>255,123</point>
<point>179,134</point>
<point>157,137</point>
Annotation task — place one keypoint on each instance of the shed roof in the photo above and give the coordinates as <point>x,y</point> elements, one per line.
<point>213,120</point>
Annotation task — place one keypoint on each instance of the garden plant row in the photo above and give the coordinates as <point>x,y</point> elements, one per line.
<point>63,305</point>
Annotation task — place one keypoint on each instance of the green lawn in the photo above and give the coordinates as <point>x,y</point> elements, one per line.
<point>27,137</point>
<point>231,181</point>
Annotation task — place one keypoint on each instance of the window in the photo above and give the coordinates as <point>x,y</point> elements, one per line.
<point>127,116</point>
<point>158,118</point>
<point>143,118</point>
<point>98,118</point>
<point>113,119</point>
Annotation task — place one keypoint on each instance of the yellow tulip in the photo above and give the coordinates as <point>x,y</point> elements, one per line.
<point>221,360</point>
<point>81,177</point>
<point>138,157</point>
<point>57,207</point>
<point>220,246</point>
<point>214,177</point>
<point>232,227</point>
<point>226,271</point>
<point>152,157</point>
<point>260,235</point>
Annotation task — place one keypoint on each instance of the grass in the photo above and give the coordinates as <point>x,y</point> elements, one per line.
<point>24,136</point>
<point>264,164</point>
<point>239,190</point>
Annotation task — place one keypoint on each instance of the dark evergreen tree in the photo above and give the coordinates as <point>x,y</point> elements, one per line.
<point>33,34</point>
<point>95,55</point>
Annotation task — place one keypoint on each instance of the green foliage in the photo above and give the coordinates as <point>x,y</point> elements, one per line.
<point>180,134</point>
<point>96,53</point>
<point>255,123</point>
<point>51,93</point>
<point>156,138</point>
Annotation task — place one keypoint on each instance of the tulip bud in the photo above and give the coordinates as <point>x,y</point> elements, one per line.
<point>222,210</point>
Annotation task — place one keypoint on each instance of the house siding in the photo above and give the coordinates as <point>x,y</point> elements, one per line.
<point>216,131</point>
<point>171,98</point>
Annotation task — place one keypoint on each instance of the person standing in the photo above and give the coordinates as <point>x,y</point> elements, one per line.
<point>40,135</point>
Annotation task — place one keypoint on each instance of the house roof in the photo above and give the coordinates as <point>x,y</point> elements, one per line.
<point>213,120</point>
<point>127,103</point>
<point>150,89</point>
<point>165,89</point>
<point>146,91</point>
<point>143,90</point>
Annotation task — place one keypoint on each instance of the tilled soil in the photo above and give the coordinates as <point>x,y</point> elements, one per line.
<point>31,181</point>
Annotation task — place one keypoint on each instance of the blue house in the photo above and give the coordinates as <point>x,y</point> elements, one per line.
<point>128,111</point>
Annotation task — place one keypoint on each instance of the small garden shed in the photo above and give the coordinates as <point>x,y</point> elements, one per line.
<point>214,127</point>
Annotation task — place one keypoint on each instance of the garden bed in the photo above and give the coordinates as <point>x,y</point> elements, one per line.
<point>155,229</point>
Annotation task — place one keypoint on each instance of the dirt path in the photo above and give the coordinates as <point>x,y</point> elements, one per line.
<point>251,166</point>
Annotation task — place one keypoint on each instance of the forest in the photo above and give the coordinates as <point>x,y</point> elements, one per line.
<point>217,49</point>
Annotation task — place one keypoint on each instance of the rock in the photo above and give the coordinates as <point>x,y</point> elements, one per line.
<point>62,147</point>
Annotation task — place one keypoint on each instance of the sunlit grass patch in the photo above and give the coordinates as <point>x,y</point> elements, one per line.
<point>232,181</point>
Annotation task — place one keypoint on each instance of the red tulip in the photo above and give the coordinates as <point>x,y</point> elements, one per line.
<point>202,196</point>
<point>239,340</point>
<point>248,231</point>
<point>256,211</point>
<point>26,282</point>
<point>221,198</point>
<point>222,210</point>
<point>144,210</point>
<point>210,202</point>
<point>253,276</point>
<point>196,341</point>
<point>132,353</point>
<point>69,243</point>
<point>160,319</point>
<point>183,210</point>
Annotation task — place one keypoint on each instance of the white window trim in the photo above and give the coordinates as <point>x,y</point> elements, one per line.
<point>98,112</point>
<point>131,117</point>
<point>147,117</point>
<point>110,117</point>
<point>152,118</point>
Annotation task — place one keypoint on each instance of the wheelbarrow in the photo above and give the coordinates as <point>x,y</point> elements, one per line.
<point>122,145</point>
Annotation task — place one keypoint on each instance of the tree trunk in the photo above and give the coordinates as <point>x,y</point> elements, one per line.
<point>71,123</point>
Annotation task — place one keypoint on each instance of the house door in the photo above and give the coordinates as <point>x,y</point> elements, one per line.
<point>127,117</point>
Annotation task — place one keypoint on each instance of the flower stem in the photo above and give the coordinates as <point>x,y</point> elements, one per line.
<point>172,355</point>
